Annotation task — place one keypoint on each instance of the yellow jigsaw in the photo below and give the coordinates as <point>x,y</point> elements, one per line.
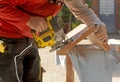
<point>46,38</point>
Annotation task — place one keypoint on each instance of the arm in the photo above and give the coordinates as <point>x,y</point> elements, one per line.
<point>31,7</point>
<point>82,12</point>
<point>36,7</point>
<point>87,16</point>
<point>18,2</point>
<point>37,23</point>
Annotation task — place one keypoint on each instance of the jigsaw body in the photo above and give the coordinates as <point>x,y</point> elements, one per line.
<point>51,36</point>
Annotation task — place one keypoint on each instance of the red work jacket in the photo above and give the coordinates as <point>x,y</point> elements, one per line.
<point>13,19</point>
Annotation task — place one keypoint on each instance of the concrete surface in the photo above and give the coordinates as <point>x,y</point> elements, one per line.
<point>54,73</point>
<point>57,73</point>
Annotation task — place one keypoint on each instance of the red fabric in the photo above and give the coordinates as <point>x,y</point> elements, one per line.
<point>13,20</point>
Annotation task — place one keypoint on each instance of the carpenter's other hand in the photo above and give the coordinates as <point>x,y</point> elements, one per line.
<point>101,32</point>
<point>39,24</point>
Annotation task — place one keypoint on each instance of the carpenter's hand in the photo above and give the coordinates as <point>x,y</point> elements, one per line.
<point>101,32</point>
<point>39,24</point>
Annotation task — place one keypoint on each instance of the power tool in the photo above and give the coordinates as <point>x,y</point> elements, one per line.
<point>49,36</point>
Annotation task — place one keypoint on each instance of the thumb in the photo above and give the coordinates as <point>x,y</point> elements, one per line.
<point>34,31</point>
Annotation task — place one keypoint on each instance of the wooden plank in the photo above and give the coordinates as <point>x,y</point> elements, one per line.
<point>77,34</point>
<point>69,70</point>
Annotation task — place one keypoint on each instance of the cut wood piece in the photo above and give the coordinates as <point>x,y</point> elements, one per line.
<point>77,34</point>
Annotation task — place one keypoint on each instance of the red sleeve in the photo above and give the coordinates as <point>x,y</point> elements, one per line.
<point>24,2</point>
<point>36,7</point>
<point>17,2</point>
